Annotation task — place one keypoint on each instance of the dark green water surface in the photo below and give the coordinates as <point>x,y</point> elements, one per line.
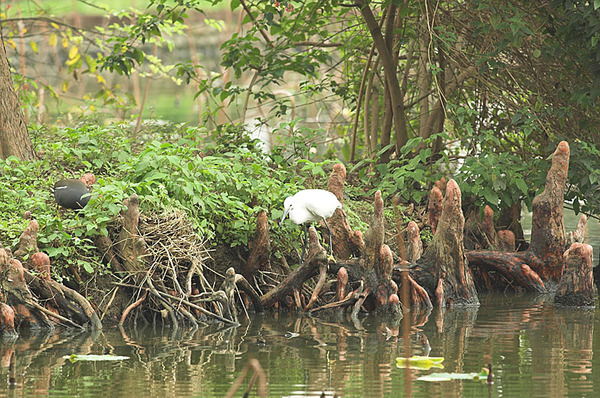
<point>536,350</point>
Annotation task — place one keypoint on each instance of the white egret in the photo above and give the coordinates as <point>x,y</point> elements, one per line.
<point>311,205</point>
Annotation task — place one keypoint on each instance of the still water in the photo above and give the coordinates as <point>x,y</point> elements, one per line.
<point>536,350</point>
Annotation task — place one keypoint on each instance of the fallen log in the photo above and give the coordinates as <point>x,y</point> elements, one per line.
<point>512,266</point>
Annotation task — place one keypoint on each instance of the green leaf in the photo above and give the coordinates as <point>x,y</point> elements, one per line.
<point>420,362</point>
<point>87,267</point>
<point>495,20</point>
<point>521,185</point>
<point>491,196</point>
<point>434,377</point>
<point>90,357</point>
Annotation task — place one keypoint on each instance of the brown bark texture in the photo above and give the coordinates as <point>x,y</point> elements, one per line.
<point>260,248</point>
<point>443,269</point>
<point>130,246</point>
<point>348,243</point>
<point>390,71</point>
<point>308,269</point>
<point>15,293</point>
<point>576,287</point>
<point>415,245</point>
<point>436,199</point>
<point>508,270</point>
<point>509,219</point>
<point>548,230</point>
<point>14,137</point>
<point>540,267</point>
<point>28,241</point>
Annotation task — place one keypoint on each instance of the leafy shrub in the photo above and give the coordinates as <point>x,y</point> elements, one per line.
<point>501,179</point>
<point>583,188</point>
<point>221,185</point>
<point>408,176</point>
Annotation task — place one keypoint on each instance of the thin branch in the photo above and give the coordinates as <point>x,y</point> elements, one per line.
<point>255,22</point>
<point>316,44</point>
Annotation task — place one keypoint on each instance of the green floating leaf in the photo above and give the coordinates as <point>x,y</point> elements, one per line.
<point>75,357</point>
<point>420,362</point>
<point>456,376</point>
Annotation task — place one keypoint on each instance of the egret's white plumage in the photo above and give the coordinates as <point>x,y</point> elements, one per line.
<point>311,205</point>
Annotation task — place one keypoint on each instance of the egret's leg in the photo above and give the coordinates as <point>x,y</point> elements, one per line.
<point>305,243</point>
<point>330,238</point>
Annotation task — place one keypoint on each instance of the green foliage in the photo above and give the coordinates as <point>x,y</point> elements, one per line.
<point>408,176</point>
<point>221,192</point>
<point>503,118</point>
<point>221,185</point>
<point>499,169</point>
<point>125,44</point>
<point>500,179</point>
<point>583,188</point>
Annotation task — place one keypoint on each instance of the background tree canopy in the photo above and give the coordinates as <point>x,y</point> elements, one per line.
<point>412,90</point>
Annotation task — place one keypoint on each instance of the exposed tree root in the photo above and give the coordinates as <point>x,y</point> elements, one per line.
<point>445,274</point>
<point>163,256</point>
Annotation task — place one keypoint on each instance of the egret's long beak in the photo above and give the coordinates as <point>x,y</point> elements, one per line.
<point>285,213</point>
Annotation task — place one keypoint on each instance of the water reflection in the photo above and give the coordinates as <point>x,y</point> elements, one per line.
<point>535,348</point>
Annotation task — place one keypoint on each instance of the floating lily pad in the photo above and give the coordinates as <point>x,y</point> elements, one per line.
<point>420,362</point>
<point>75,357</point>
<point>456,376</point>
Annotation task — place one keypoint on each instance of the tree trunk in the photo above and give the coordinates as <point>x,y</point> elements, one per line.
<point>390,71</point>
<point>14,137</point>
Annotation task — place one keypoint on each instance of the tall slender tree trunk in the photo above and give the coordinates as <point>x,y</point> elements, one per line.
<point>14,137</point>
<point>390,71</point>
